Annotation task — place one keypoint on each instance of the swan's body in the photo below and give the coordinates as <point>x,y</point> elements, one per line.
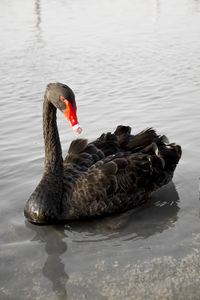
<point>112,174</point>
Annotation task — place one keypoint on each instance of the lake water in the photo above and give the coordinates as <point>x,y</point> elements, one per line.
<point>129,62</point>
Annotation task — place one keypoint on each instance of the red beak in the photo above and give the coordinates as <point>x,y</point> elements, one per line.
<point>71,116</point>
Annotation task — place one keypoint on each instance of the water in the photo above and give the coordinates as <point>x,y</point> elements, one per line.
<point>129,62</point>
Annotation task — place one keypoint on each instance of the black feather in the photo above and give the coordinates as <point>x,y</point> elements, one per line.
<point>77,146</point>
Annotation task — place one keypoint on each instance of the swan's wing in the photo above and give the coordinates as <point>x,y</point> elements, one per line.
<point>116,184</point>
<point>82,155</point>
<point>122,140</point>
<point>101,184</point>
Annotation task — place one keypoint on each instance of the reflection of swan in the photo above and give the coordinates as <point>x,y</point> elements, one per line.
<point>156,9</point>
<point>196,6</point>
<point>113,174</point>
<point>38,29</point>
<point>37,11</point>
<point>159,214</point>
<point>53,268</point>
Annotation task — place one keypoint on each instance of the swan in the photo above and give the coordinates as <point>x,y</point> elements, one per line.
<point>114,173</point>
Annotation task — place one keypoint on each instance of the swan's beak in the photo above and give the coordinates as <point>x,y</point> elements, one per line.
<point>70,114</point>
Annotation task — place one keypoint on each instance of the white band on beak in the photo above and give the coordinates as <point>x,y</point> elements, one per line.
<point>77,128</point>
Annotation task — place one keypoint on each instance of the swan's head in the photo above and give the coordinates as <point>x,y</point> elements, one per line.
<point>63,98</point>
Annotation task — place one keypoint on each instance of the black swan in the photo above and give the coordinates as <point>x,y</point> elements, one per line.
<point>116,172</point>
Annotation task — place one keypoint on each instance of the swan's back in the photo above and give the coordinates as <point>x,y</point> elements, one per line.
<point>115,172</point>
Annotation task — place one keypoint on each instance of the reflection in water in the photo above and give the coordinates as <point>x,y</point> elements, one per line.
<point>157,215</point>
<point>38,22</point>
<point>38,13</point>
<point>160,213</point>
<point>53,269</point>
<point>156,10</point>
<point>196,6</point>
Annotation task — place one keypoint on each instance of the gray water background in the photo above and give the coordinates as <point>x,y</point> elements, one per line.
<point>129,62</point>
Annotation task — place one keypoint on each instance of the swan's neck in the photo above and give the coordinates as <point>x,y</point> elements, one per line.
<point>53,151</point>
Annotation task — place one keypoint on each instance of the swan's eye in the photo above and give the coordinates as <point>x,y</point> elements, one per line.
<point>62,98</point>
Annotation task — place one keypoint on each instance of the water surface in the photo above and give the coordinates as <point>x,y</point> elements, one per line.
<point>129,62</point>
